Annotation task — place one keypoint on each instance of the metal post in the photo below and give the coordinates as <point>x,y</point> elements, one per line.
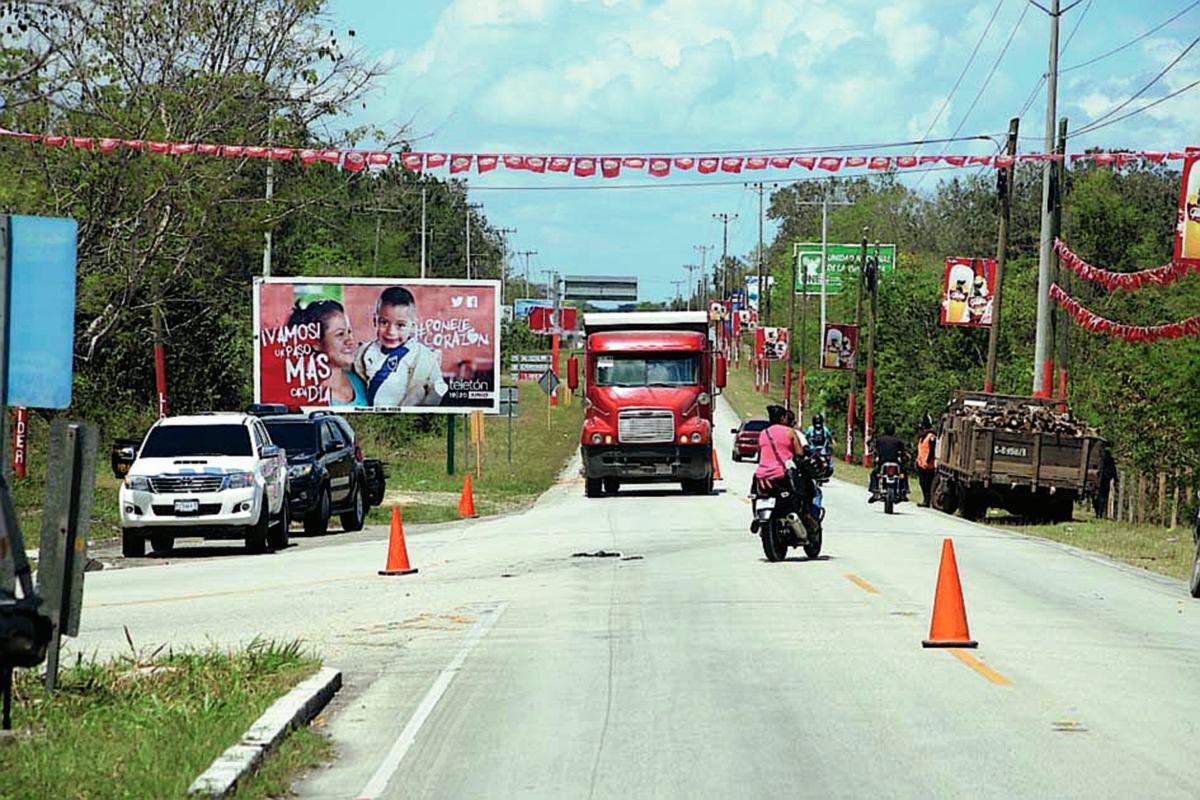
<point>824,257</point>
<point>852,410</point>
<point>1060,171</point>
<point>270,194</point>
<point>11,529</point>
<point>1043,364</point>
<point>1006,189</point>
<point>450,423</point>
<point>469,207</point>
<point>423,239</point>
<point>792,330</point>
<point>869,411</point>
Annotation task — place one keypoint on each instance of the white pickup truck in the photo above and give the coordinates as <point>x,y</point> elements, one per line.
<point>215,476</point>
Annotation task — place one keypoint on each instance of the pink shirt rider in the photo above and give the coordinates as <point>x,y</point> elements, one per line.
<point>771,459</point>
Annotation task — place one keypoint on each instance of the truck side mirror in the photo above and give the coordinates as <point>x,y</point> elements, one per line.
<point>721,371</point>
<point>573,373</point>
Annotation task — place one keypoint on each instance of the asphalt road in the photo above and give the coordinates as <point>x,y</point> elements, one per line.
<point>687,666</point>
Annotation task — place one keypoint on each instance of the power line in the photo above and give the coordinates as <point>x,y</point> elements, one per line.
<point>1130,43</point>
<point>966,67</point>
<point>1137,111</point>
<point>1071,36</point>
<point>1094,124</point>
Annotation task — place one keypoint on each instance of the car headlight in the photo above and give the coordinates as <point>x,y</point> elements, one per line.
<point>300,471</point>
<point>238,480</point>
<point>137,483</point>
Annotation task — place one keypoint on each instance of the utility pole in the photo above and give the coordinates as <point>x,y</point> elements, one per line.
<point>691,283</point>
<point>724,219</point>
<point>869,409</point>
<point>527,254</point>
<point>424,248</point>
<point>504,232</point>
<point>1060,179</point>
<point>1005,188</point>
<point>678,291</point>
<point>704,248</point>
<point>1043,362</point>
<point>853,405</point>
<point>270,194</point>
<point>760,189</point>
<point>470,206</point>
<point>548,273</point>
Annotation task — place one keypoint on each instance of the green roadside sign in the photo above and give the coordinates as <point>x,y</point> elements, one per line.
<point>843,265</point>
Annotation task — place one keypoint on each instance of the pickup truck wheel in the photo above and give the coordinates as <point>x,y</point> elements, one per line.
<point>162,543</point>
<point>316,522</point>
<point>592,487</point>
<point>256,534</point>
<point>133,544</point>
<point>611,485</point>
<point>277,538</point>
<point>352,520</point>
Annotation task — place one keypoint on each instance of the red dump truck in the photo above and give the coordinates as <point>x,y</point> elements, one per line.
<point>649,385</point>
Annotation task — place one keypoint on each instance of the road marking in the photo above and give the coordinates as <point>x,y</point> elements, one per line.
<point>980,667</point>
<point>391,762</point>
<point>208,595</point>
<point>745,500</point>
<point>866,587</point>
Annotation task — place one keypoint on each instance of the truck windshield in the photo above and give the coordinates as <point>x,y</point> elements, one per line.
<point>181,441</point>
<point>296,438</point>
<point>667,370</point>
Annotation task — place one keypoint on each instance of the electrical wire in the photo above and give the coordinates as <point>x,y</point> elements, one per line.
<point>1042,80</point>
<point>1090,128</point>
<point>1094,124</point>
<point>966,67</point>
<point>1130,43</point>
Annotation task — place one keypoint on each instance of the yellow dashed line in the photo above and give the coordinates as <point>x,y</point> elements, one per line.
<point>866,587</point>
<point>980,667</point>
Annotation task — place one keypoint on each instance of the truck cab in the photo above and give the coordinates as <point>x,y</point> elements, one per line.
<point>649,382</point>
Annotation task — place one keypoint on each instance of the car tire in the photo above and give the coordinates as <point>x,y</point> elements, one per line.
<point>256,534</point>
<point>735,456</point>
<point>162,543</point>
<point>352,520</point>
<point>280,532</point>
<point>133,544</point>
<point>316,521</point>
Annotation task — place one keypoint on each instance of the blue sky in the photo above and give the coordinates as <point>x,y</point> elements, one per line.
<point>636,77</point>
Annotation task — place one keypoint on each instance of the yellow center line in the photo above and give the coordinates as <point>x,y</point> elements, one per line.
<point>208,595</point>
<point>980,667</point>
<point>866,587</point>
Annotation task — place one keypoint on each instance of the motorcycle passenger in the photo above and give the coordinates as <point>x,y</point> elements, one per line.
<point>889,448</point>
<point>778,443</point>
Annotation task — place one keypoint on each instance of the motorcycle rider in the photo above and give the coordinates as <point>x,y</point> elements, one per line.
<point>778,443</point>
<point>889,448</point>
<point>820,437</point>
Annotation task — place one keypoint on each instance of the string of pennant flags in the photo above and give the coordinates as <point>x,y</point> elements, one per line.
<point>1094,323</point>
<point>581,166</point>
<point>1127,281</point>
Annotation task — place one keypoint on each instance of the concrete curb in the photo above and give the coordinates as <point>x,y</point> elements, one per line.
<point>295,708</point>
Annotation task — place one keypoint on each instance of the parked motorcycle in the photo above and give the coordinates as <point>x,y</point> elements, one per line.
<point>891,486</point>
<point>788,512</point>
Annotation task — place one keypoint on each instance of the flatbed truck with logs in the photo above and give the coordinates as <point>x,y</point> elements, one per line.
<point>1029,456</point>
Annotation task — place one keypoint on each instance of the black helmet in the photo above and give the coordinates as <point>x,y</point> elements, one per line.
<point>889,429</point>
<point>776,414</point>
<point>818,420</point>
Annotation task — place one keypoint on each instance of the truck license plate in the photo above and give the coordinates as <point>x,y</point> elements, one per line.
<point>662,469</point>
<point>186,506</point>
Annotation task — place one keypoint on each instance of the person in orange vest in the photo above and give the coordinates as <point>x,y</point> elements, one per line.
<point>926,448</point>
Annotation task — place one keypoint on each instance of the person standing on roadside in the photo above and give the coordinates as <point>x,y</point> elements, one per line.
<point>926,449</point>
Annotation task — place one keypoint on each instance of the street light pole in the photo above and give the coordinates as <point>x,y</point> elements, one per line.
<point>470,206</point>
<point>504,262</point>
<point>691,283</point>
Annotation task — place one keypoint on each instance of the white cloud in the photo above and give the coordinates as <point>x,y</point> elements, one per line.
<point>908,38</point>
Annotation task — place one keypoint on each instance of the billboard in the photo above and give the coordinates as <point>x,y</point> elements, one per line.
<point>839,346</point>
<point>377,345</point>
<point>843,265</point>
<point>771,343</point>
<point>523,307</point>
<point>541,320</point>
<point>967,290</point>
<point>597,287</point>
<point>1187,229</point>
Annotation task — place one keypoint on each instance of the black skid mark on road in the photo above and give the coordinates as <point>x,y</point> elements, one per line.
<point>606,554</point>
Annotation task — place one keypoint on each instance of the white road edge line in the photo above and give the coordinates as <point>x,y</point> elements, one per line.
<point>391,762</point>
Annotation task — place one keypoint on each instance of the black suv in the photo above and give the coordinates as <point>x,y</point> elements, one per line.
<point>327,473</point>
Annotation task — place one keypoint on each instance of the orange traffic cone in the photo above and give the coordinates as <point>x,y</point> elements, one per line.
<point>716,466</point>
<point>949,627</point>
<point>466,504</point>
<point>397,560</point>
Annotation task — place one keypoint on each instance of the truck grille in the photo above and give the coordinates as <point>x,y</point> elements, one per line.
<point>647,425</point>
<point>185,484</point>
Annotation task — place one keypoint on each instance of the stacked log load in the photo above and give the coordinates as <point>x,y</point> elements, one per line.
<point>1020,418</point>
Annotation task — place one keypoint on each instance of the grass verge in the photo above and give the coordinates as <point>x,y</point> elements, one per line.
<point>543,441</point>
<point>1151,547</point>
<point>148,726</point>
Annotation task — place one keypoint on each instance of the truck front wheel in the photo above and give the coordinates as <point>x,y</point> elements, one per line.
<point>592,487</point>
<point>133,544</point>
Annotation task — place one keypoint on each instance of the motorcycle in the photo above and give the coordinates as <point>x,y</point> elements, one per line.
<point>788,513</point>
<point>891,486</point>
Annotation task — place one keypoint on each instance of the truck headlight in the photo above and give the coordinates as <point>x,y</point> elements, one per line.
<point>596,438</point>
<point>696,437</point>
<point>300,471</point>
<point>703,398</point>
<point>137,483</point>
<point>238,480</point>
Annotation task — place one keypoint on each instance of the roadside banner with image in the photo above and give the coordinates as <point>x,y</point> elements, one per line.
<point>839,346</point>
<point>967,291</point>
<point>771,343</point>
<point>377,345</point>
<point>843,265</point>
<point>1187,230</point>
<point>523,307</point>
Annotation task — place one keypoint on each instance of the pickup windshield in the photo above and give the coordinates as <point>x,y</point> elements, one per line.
<point>182,441</point>
<point>666,370</point>
<point>296,438</point>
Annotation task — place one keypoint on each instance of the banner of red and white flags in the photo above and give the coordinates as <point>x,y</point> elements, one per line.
<point>1128,281</point>
<point>582,166</point>
<point>1095,323</point>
